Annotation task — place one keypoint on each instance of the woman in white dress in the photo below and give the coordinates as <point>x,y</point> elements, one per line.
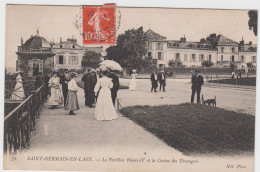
<point>132,85</point>
<point>18,93</point>
<point>105,110</point>
<point>56,98</point>
<point>72,98</point>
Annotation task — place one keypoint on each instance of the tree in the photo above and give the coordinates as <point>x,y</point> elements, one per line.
<point>130,50</point>
<point>91,59</point>
<point>207,63</point>
<point>252,22</point>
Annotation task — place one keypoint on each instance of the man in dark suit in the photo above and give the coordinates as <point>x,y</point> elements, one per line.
<point>115,88</point>
<point>154,80</point>
<point>64,79</point>
<point>84,80</point>
<point>90,85</point>
<point>162,80</point>
<point>197,81</point>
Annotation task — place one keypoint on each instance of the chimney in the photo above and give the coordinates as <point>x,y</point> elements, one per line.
<point>242,43</point>
<point>60,40</point>
<point>183,40</point>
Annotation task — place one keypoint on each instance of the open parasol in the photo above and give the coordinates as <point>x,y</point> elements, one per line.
<point>111,65</point>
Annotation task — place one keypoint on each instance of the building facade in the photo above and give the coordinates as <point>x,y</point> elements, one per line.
<point>219,50</point>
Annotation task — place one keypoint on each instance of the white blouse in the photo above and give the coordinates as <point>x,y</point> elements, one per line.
<point>72,85</point>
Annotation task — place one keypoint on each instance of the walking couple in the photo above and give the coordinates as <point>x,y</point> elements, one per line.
<point>102,86</point>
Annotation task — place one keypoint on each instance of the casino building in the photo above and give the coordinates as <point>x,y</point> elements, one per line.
<point>218,49</point>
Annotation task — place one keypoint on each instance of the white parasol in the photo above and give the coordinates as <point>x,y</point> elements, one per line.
<point>111,65</point>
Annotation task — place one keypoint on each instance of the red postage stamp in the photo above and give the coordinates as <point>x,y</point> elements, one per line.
<point>99,24</point>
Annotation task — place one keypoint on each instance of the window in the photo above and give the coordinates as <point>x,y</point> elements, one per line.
<point>242,59</point>
<point>150,54</point>
<point>73,46</point>
<point>73,60</point>
<point>253,59</point>
<point>159,46</point>
<point>201,58</point>
<point>160,57</point>
<point>232,58</point>
<point>242,48</point>
<point>185,57</point>
<point>222,58</point>
<point>61,46</point>
<point>150,47</point>
<point>233,49</point>
<point>210,57</point>
<point>222,49</point>
<point>60,59</point>
<point>177,56</point>
<point>193,57</point>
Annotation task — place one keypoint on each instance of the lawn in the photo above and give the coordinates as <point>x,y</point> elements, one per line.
<point>197,129</point>
<point>240,81</point>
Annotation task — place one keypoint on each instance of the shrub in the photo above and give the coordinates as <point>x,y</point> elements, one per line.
<point>207,63</point>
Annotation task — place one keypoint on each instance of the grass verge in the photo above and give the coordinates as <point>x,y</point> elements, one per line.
<point>240,81</point>
<point>197,129</point>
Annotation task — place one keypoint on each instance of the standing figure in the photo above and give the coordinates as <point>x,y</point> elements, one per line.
<point>64,79</point>
<point>246,71</point>
<point>115,88</point>
<point>90,85</point>
<point>18,93</point>
<point>197,81</point>
<point>46,84</point>
<point>98,76</point>
<point>84,79</point>
<point>72,103</point>
<point>154,81</point>
<point>132,85</point>
<point>162,80</point>
<point>56,98</point>
<point>104,107</point>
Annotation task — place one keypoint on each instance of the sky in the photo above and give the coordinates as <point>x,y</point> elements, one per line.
<point>55,22</point>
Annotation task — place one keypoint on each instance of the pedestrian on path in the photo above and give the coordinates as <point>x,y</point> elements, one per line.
<point>105,109</point>
<point>162,80</point>
<point>18,93</point>
<point>84,79</point>
<point>115,88</point>
<point>197,81</point>
<point>132,85</point>
<point>72,98</point>
<point>90,85</point>
<point>64,79</point>
<point>154,81</point>
<point>56,98</point>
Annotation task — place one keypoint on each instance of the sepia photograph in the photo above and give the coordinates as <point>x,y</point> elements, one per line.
<point>116,88</point>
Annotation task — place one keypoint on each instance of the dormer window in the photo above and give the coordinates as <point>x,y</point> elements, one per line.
<point>73,46</point>
<point>61,46</point>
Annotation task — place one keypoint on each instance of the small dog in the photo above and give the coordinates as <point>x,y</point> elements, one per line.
<point>209,101</point>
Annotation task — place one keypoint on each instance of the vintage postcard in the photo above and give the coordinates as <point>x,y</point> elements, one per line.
<point>112,88</point>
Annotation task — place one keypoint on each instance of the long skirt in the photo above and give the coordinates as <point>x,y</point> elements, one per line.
<point>105,109</point>
<point>18,93</point>
<point>56,98</point>
<point>72,103</point>
<point>132,85</point>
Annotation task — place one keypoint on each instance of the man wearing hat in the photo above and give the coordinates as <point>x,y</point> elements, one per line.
<point>91,81</point>
<point>64,80</point>
<point>197,81</point>
<point>162,80</point>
